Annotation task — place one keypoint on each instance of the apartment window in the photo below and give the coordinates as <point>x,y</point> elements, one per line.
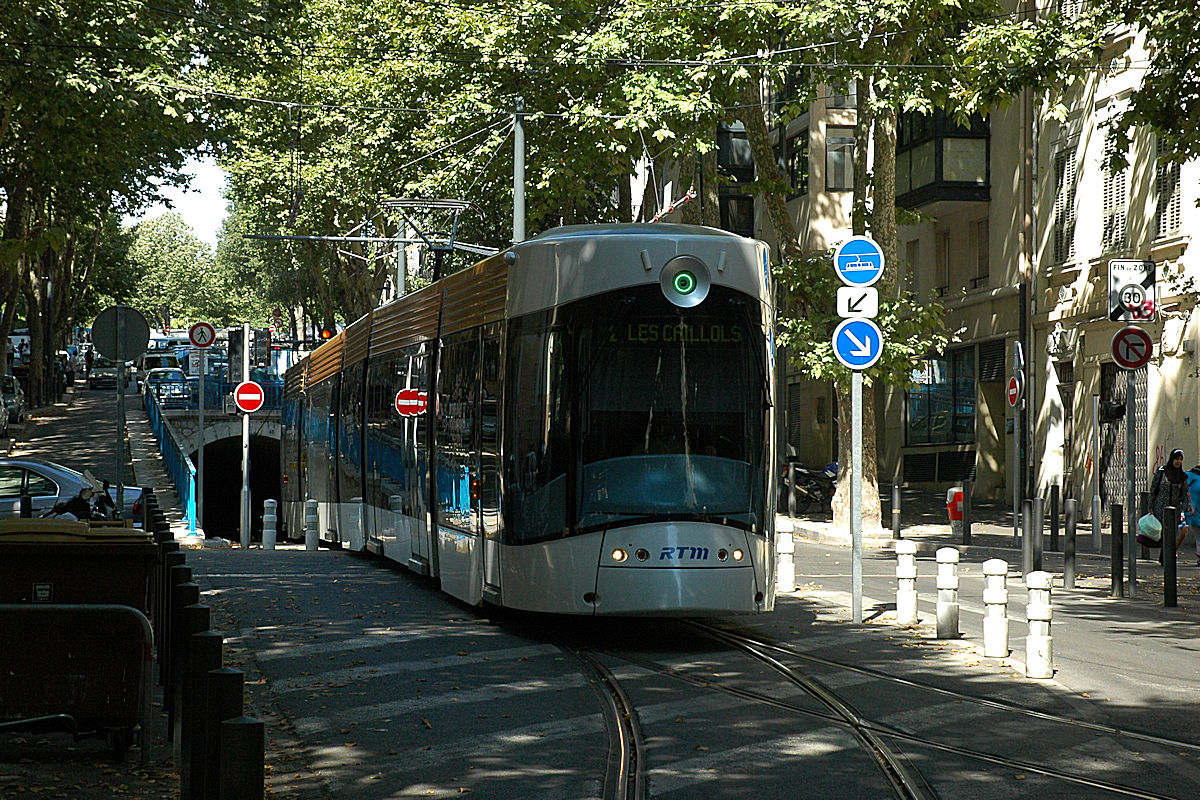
<point>843,96</point>
<point>942,264</point>
<point>941,406</point>
<point>912,254</point>
<point>1064,205</point>
<point>979,232</point>
<point>1114,200</point>
<point>797,163</point>
<point>1166,192</point>
<point>839,159</point>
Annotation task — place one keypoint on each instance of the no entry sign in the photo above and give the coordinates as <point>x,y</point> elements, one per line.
<point>1015,385</point>
<point>411,402</point>
<point>248,397</point>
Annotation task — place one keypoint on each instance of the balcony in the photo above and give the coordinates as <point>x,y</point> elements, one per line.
<point>939,160</point>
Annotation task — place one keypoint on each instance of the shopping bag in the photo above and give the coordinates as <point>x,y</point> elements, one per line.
<point>1149,526</point>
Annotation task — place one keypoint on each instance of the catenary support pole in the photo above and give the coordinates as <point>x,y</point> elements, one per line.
<point>1096,522</point>
<point>895,511</point>
<point>519,172</point>
<point>1026,537</point>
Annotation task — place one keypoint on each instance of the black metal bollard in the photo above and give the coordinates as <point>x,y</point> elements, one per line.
<point>1169,532</point>
<point>1054,506</point>
<point>191,618</point>
<point>1026,536</point>
<point>1116,551</point>
<point>1069,548</point>
<point>184,592</point>
<point>225,689</point>
<point>1039,522</point>
<point>895,511</point>
<point>242,750</point>
<point>966,512</point>
<point>205,656</point>
<point>791,489</point>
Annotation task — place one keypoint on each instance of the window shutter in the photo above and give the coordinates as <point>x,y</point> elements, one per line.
<point>1166,192</point>
<point>1064,205</point>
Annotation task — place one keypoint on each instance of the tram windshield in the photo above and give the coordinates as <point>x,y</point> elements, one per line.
<point>673,411</point>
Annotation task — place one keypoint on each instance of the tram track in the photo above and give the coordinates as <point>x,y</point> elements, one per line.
<point>625,776</point>
<point>905,780</point>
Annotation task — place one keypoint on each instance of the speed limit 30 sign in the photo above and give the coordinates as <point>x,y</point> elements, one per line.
<point>1132,296</point>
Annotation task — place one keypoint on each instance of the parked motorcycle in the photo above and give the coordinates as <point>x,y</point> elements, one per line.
<point>813,487</point>
<point>93,502</point>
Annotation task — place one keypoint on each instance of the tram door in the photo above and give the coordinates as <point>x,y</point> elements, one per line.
<point>489,454</point>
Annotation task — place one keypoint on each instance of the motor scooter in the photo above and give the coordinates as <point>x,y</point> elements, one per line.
<point>92,502</point>
<point>813,487</point>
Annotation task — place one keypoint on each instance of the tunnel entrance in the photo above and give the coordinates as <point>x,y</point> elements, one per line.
<point>223,484</point>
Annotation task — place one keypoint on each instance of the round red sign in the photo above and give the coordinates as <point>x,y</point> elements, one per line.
<point>1014,391</point>
<point>411,402</point>
<point>1132,347</point>
<point>202,335</point>
<point>248,397</point>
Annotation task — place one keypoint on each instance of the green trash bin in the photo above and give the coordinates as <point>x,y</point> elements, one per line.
<point>67,561</point>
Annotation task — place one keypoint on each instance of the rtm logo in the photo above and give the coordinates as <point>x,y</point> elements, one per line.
<point>680,553</point>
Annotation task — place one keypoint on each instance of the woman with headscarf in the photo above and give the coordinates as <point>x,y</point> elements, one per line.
<point>1169,488</point>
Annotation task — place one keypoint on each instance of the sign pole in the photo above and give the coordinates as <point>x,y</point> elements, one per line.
<point>244,519</point>
<point>1131,509</point>
<point>856,444</point>
<point>1018,366</point>
<point>200,455</point>
<point>1096,473</point>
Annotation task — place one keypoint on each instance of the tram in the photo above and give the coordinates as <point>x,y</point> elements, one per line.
<point>582,424</point>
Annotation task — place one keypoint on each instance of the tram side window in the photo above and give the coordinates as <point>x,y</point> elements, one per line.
<point>489,434</point>
<point>290,448</point>
<point>457,429</point>
<point>536,411</point>
<point>320,426</point>
<point>350,483</point>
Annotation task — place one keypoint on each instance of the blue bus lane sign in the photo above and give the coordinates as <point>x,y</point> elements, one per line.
<point>858,261</point>
<point>857,343</point>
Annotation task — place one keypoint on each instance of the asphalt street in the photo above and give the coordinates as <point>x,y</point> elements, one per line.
<point>375,685</point>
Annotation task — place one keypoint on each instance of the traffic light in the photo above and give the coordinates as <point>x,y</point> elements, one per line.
<point>260,352</point>
<point>235,355</point>
<point>326,333</point>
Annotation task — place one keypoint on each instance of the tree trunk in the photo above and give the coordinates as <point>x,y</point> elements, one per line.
<point>768,171</point>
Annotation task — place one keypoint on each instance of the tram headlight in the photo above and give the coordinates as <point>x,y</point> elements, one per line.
<point>619,555</point>
<point>738,555</point>
<point>685,281</point>
<point>722,554</point>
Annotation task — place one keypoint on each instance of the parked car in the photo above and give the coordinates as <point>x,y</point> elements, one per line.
<point>154,360</point>
<point>104,375</point>
<point>47,484</point>
<point>169,385</point>
<point>14,398</point>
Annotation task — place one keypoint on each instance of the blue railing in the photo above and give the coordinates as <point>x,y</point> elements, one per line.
<point>179,465</point>
<point>216,390</point>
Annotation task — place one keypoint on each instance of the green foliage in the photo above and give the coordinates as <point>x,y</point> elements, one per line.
<point>173,269</point>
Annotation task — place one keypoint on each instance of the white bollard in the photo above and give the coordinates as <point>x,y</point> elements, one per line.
<point>269,520</point>
<point>312,534</point>
<point>1039,645</point>
<point>785,547</point>
<point>995,608</point>
<point>906,582</point>
<point>947,589</point>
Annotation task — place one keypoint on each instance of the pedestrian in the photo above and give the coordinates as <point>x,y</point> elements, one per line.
<point>1193,516</point>
<point>1170,488</point>
<point>88,358</point>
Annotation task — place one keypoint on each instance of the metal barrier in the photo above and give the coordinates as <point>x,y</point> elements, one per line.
<point>86,667</point>
<point>179,464</point>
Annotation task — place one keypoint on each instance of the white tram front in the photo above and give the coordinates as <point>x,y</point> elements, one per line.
<point>581,424</point>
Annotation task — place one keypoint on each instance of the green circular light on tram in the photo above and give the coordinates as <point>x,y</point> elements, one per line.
<point>685,282</point>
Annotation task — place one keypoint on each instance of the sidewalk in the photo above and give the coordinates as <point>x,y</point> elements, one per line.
<point>924,520</point>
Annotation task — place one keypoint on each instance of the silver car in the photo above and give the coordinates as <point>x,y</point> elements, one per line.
<point>47,483</point>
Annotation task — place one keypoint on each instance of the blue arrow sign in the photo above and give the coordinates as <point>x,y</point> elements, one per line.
<point>858,261</point>
<point>857,343</point>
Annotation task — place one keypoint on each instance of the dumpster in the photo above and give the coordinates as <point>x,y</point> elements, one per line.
<point>68,561</point>
<point>81,669</point>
